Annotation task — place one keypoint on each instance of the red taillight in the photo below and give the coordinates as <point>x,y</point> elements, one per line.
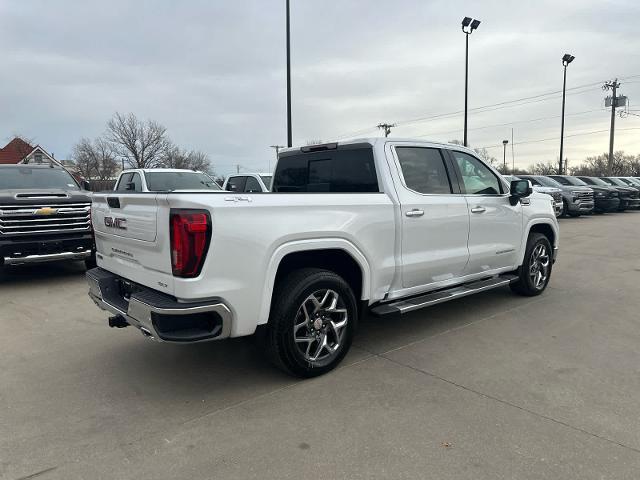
<point>190,236</point>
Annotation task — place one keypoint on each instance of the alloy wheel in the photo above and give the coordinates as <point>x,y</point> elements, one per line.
<point>539,263</point>
<point>319,327</point>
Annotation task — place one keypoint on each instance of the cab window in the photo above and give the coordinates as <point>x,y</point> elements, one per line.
<point>236,184</point>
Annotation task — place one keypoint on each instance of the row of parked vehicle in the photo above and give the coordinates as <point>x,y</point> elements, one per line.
<point>582,195</point>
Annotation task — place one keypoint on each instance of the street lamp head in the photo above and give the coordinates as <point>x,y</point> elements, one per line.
<point>475,24</point>
<point>567,59</point>
<point>504,142</point>
<point>466,21</point>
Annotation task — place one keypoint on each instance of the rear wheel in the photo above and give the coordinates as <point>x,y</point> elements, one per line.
<point>535,271</point>
<point>312,322</point>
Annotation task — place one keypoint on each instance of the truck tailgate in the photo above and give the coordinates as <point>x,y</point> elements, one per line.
<point>127,240</point>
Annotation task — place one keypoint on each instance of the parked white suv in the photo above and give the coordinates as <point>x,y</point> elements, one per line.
<point>248,182</point>
<point>380,225</point>
<point>163,180</point>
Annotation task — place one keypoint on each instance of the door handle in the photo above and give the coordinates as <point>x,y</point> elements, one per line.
<point>478,209</point>
<point>416,212</point>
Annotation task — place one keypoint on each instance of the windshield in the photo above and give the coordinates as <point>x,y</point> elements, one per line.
<point>548,182</point>
<point>36,178</point>
<point>594,181</point>
<point>163,181</point>
<point>266,179</point>
<point>614,181</point>
<point>627,181</point>
<point>576,182</point>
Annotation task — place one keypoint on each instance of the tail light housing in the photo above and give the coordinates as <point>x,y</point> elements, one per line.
<point>190,238</point>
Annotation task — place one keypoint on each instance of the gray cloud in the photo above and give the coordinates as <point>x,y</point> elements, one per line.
<point>213,72</point>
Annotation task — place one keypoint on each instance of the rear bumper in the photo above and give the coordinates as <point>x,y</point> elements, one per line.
<point>19,250</point>
<point>157,315</point>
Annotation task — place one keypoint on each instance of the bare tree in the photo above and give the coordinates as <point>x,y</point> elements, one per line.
<point>141,144</point>
<point>192,160</point>
<point>623,165</point>
<point>542,168</point>
<point>95,159</point>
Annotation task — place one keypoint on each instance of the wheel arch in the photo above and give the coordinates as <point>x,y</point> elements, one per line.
<point>335,254</point>
<point>543,226</point>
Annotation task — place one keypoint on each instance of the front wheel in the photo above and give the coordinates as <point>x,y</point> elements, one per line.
<point>535,271</point>
<point>312,322</point>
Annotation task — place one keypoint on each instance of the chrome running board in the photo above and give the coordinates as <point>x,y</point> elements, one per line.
<point>414,303</point>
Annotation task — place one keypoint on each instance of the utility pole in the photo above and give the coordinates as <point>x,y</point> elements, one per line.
<point>513,156</point>
<point>386,128</point>
<point>289,135</point>
<point>504,156</point>
<point>277,149</point>
<point>613,85</point>
<point>238,168</point>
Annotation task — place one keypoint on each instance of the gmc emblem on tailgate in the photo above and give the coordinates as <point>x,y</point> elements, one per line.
<point>115,222</point>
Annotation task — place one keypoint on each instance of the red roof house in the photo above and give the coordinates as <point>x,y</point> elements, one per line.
<point>15,151</point>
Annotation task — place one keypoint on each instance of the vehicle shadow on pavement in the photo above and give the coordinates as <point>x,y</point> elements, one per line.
<point>42,273</point>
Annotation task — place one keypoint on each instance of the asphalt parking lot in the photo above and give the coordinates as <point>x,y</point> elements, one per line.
<point>491,386</point>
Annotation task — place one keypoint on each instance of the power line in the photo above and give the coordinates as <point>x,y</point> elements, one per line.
<point>490,108</point>
<point>485,108</point>
<point>558,138</point>
<point>507,124</point>
<point>577,90</point>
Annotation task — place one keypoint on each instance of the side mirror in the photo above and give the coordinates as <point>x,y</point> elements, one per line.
<point>86,185</point>
<point>131,186</point>
<point>519,189</point>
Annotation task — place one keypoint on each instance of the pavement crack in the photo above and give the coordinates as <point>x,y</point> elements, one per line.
<point>37,474</point>
<point>508,403</point>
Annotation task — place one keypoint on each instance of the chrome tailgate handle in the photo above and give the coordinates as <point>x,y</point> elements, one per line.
<point>416,212</point>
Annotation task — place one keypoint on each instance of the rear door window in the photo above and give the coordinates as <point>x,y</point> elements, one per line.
<point>350,169</point>
<point>424,170</point>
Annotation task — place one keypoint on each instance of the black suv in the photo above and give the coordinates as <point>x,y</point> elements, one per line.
<point>44,216</point>
<point>630,196</point>
<point>607,198</point>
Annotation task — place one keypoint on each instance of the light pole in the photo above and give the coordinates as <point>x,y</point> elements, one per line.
<point>504,155</point>
<point>566,60</point>
<point>289,136</point>
<point>468,26</point>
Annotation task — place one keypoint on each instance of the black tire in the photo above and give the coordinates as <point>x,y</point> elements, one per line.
<point>526,284</point>
<point>565,210</point>
<point>287,312</point>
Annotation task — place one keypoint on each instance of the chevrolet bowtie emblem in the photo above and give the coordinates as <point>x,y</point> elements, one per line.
<point>46,211</point>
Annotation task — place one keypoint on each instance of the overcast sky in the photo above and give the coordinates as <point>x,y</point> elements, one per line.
<point>213,72</point>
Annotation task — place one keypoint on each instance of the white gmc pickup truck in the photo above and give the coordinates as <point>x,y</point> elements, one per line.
<point>375,225</point>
